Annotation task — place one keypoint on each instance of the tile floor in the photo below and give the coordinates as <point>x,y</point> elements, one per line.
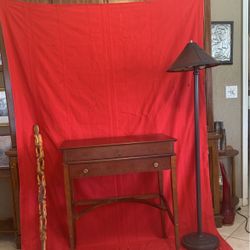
<point>235,235</point>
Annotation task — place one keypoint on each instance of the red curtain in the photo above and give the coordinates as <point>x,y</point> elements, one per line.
<point>84,71</point>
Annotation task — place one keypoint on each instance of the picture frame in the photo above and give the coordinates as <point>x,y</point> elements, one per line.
<point>5,145</point>
<point>222,41</point>
<point>4,119</point>
<point>1,62</point>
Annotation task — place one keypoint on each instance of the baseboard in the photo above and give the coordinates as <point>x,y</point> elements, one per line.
<point>242,202</point>
<point>245,202</point>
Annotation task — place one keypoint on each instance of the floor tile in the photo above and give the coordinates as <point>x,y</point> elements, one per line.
<point>238,244</point>
<point>245,211</point>
<point>239,219</point>
<point>224,236</point>
<point>228,230</point>
<point>240,233</point>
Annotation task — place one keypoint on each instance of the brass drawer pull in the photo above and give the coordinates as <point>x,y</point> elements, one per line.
<point>85,171</point>
<point>156,164</point>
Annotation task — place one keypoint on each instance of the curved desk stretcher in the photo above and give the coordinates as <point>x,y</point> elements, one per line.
<point>116,156</point>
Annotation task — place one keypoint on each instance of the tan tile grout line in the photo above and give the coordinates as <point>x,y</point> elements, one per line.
<point>235,230</point>
<point>238,239</point>
<point>232,237</point>
<point>228,227</point>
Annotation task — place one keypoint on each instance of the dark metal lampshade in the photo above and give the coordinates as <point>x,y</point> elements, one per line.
<point>192,57</point>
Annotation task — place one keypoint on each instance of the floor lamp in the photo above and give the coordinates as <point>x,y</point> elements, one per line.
<point>193,58</point>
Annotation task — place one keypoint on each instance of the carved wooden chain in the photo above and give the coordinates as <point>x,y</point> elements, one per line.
<point>41,187</point>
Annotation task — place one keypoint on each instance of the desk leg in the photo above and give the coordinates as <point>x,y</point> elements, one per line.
<point>174,198</point>
<point>163,214</point>
<point>68,194</point>
<point>15,197</point>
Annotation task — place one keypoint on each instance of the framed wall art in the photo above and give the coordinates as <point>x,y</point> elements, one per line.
<point>222,41</point>
<point>5,145</point>
<point>4,120</point>
<point>1,63</point>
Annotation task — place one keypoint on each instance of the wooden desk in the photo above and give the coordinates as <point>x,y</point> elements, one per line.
<point>115,156</point>
<point>6,225</point>
<point>13,165</point>
<point>11,172</point>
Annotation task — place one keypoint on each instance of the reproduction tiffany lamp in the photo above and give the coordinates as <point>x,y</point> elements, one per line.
<point>193,58</point>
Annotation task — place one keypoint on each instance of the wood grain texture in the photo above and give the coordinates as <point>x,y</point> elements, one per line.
<point>14,176</point>
<point>41,183</point>
<point>116,156</point>
<point>208,75</point>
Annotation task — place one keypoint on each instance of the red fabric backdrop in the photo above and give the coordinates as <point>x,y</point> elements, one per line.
<point>83,71</point>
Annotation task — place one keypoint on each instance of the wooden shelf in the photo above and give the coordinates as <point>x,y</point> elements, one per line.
<point>229,152</point>
<point>6,226</point>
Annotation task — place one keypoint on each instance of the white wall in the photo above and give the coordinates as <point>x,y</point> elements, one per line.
<point>229,110</point>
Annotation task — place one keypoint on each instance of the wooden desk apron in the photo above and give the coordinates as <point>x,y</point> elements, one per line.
<point>118,155</point>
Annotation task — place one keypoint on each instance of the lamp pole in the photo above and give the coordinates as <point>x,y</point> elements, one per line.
<point>198,240</point>
<point>197,148</point>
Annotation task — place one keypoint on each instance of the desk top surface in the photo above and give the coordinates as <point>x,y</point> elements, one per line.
<point>132,139</point>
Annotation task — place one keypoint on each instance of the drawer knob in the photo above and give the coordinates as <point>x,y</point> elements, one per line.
<point>85,171</point>
<point>156,164</point>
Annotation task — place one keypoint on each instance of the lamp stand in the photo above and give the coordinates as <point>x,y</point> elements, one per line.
<point>198,240</point>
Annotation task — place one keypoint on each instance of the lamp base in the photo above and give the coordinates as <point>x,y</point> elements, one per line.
<point>200,241</point>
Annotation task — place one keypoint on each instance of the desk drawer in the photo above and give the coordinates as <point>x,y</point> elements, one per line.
<point>118,151</point>
<point>119,166</point>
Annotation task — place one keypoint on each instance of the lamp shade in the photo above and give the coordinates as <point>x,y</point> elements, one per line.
<point>192,57</point>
